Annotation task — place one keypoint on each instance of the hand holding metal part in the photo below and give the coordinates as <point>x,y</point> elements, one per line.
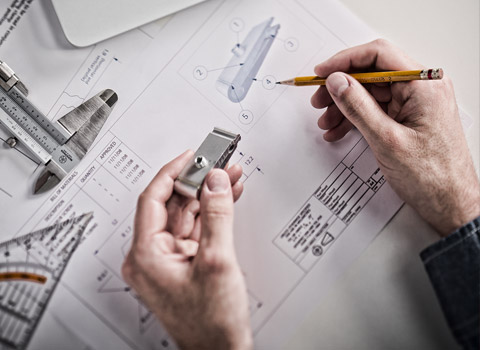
<point>214,152</point>
<point>182,259</point>
<point>59,145</point>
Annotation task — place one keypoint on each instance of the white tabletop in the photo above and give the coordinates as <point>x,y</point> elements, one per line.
<point>385,301</point>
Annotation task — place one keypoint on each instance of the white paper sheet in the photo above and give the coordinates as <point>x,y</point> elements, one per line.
<point>309,207</point>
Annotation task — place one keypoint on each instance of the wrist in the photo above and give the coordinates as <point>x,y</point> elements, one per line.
<point>464,211</point>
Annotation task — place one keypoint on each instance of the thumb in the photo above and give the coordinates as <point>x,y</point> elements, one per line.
<point>359,107</point>
<point>216,212</point>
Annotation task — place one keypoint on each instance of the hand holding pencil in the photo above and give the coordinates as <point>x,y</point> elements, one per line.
<point>372,77</point>
<point>413,129</point>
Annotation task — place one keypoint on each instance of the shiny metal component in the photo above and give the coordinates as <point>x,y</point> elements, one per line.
<point>431,74</point>
<point>84,122</point>
<point>201,162</point>
<point>8,79</point>
<point>214,152</point>
<point>54,132</point>
<point>240,72</point>
<point>59,145</point>
<point>11,142</point>
<point>45,182</point>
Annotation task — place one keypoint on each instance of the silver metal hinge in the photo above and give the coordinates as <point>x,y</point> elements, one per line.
<point>215,152</point>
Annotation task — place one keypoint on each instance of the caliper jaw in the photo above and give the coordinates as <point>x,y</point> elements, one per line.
<point>79,128</point>
<point>84,122</point>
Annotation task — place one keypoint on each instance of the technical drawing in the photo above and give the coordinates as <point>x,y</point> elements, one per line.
<point>241,82</point>
<point>237,78</point>
<point>332,207</point>
<point>112,284</point>
<point>248,163</point>
<point>110,287</point>
<point>73,339</point>
<point>81,86</point>
<point>94,301</point>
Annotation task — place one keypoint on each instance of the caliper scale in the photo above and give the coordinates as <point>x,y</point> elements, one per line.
<point>59,145</point>
<point>30,268</point>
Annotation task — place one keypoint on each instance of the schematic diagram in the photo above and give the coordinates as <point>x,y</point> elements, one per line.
<point>249,164</point>
<point>332,207</point>
<point>216,63</point>
<point>239,74</point>
<point>240,78</point>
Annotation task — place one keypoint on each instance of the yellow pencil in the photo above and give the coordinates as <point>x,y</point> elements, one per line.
<point>373,77</point>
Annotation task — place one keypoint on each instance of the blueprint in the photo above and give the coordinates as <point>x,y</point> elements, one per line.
<point>309,208</point>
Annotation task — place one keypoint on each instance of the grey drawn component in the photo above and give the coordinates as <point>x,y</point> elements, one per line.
<point>236,79</point>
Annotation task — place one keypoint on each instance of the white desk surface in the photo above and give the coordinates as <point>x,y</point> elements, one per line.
<point>385,301</point>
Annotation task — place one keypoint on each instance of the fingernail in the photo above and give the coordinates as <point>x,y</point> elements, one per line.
<point>337,83</point>
<point>218,181</point>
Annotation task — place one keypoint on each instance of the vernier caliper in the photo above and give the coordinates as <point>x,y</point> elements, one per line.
<point>59,145</point>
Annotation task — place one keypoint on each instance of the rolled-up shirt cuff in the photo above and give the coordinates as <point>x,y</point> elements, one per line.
<point>453,265</point>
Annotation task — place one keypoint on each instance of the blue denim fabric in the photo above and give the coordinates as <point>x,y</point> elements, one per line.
<point>453,265</point>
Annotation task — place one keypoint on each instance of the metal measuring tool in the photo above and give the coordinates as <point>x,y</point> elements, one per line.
<point>215,152</point>
<point>30,268</point>
<point>59,145</point>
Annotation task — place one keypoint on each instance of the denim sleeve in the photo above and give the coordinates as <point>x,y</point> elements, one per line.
<point>453,265</point>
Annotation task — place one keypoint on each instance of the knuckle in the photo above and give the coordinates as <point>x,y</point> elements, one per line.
<point>134,266</point>
<point>142,198</point>
<point>137,256</point>
<point>391,140</point>
<point>380,42</point>
<point>215,261</point>
<point>127,270</point>
<point>218,211</point>
<point>217,214</point>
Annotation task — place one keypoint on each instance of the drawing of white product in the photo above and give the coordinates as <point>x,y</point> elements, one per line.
<point>237,78</point>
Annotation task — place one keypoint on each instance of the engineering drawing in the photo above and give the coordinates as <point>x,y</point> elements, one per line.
<point>237,78</point>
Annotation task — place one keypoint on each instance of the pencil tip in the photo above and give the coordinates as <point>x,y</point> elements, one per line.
<point>278,82</point>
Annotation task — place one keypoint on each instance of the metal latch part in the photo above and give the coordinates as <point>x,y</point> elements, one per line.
<point>215,152</point>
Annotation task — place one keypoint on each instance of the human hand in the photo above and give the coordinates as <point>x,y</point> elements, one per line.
<point>413,128</point>
<point>183,265</point>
